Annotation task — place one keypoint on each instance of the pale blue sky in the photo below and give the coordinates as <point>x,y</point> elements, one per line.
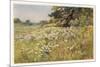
<point>35,13</point>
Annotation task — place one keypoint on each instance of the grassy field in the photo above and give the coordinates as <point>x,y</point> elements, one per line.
<point>49,43</point>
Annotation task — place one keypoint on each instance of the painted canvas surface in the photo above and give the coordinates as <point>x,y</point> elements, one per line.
<point>46,33</point>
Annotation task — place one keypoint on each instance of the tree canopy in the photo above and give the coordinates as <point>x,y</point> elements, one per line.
<point>17,20</point>
<point>64,15</point>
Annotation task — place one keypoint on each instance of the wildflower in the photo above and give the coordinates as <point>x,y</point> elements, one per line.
<point>66,40</point>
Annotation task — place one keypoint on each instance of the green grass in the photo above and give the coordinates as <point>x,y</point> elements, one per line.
<point>40,44</point>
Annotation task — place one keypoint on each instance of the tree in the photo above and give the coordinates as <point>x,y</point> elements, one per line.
<point>65,14</point>
<point>17,20</point>
<point>28,22</point>
<point>43,22</point>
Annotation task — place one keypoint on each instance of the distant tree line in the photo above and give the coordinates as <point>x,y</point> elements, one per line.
<point>28,22</point>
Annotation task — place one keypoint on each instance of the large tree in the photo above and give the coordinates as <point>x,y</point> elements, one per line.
<point>64,15</point>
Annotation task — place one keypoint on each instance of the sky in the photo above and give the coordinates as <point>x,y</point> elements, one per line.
<point>34,13</point>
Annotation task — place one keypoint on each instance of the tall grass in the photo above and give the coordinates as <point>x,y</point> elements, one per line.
<point>35,44</point>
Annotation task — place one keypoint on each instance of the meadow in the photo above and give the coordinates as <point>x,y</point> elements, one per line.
<point>35,43</point>
<point>60,34</point>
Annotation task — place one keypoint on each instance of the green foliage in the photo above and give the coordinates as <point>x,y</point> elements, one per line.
<point>28,22</point>
<point>67,14</point>
<point>17,20</point>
